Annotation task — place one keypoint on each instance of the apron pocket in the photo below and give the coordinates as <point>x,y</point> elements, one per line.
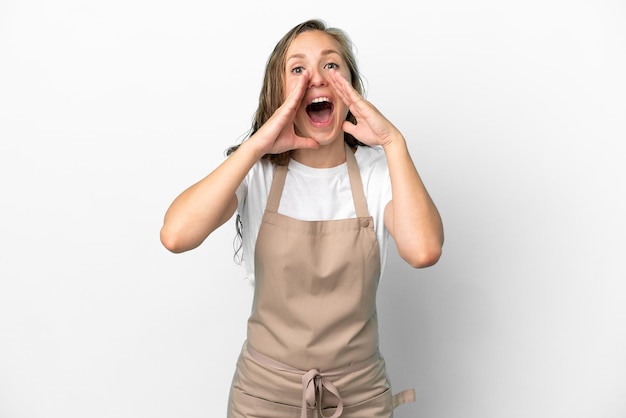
<point>243,405</point>
<point>380,406</point>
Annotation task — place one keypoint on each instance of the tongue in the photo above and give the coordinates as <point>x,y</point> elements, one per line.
<point>320,116</point>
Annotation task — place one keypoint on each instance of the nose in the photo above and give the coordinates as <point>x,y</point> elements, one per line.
<point>318,78</point>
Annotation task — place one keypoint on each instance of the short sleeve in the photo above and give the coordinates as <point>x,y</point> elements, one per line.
<point>241,193</point>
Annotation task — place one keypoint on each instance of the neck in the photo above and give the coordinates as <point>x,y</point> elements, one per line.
<point>326,156</point>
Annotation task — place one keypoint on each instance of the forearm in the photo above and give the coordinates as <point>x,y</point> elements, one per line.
<point>411,217</point>
<point>207,204</point>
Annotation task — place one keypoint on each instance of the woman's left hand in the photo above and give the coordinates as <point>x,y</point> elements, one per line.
<point>411,216</point>
<point>372,127</point>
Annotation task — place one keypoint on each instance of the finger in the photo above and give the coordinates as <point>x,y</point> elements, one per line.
<point>337,83</point>
<point>344,89</point>
<point>350,128</point>
<point>302,142</point>
<point>297,93</point>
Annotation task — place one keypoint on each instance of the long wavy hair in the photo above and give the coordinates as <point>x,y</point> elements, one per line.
<point>272,92</point>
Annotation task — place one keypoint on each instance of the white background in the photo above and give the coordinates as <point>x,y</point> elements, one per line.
<point>515,114</point>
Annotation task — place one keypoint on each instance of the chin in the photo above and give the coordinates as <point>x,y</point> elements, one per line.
<point>323,135</point>
<point>326,139</point>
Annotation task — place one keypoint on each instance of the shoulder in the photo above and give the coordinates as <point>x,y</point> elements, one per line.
<point>370,154</point>
<point>374,171</point>
<point>255,186</point>
<point>262,167</point>
<point>372,161</point>
<point>261,172</point>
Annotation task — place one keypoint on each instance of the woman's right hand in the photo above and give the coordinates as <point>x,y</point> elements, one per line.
<point>210,202</point>
<point>278,134</point>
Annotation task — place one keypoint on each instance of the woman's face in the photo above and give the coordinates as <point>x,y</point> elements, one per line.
<point>321,113</point>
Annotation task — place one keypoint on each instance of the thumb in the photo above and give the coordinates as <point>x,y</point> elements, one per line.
<point>349,127</point>
<point>308,143</point>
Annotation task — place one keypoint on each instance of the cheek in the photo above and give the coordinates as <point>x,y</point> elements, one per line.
<point>288,85</point>
<point>286,88</point>
<point>342,111</point>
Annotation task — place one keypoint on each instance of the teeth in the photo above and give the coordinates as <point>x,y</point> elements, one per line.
<point>320,100</point>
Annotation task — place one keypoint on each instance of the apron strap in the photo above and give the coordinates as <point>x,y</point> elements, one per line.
<point>400,398</point>
<point>356,185</point>
<point>313,381</point>
<point>360,204</point>
<point>276,190</point>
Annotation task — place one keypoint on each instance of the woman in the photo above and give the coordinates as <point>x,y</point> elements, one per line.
<point>320,183</point>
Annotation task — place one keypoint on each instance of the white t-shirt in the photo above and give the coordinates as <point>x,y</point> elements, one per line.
<point>313,194</point>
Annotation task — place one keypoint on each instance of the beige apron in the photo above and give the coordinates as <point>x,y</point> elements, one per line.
<point>312,347</point>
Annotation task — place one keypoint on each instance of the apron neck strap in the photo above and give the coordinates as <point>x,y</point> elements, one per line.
<point>276,190</point>
<point>356,185</point>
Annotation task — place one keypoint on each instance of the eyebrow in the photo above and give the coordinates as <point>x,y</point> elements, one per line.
<point>324,53</point>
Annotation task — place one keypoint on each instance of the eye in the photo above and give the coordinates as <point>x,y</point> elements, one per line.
<point>331,66</point>
<point>297,70</point>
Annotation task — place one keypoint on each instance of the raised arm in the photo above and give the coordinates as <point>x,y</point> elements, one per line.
<point>411,216</point>
<point>207,204</point>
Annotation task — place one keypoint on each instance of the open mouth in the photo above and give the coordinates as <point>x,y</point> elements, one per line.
<point>320,110</point>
